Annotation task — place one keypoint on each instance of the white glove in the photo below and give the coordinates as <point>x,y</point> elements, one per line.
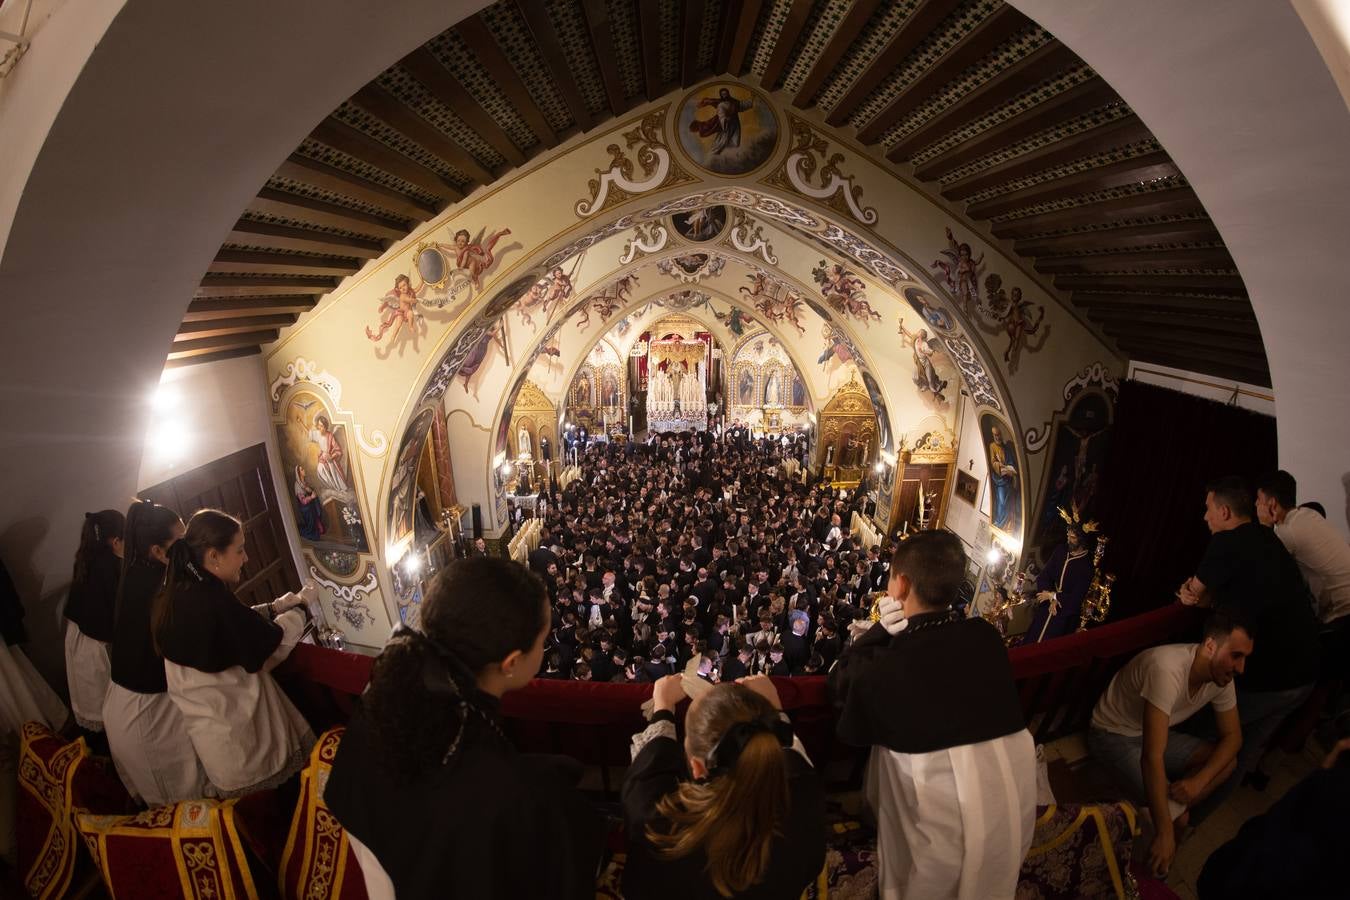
<point>892,616</point>
<point>858,627</point>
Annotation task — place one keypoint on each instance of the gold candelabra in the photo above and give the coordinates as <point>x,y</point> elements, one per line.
<point>1097,602</point>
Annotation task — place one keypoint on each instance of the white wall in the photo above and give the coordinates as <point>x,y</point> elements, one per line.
<point>1239,95</point>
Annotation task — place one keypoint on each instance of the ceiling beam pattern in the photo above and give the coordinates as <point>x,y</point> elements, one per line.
<point>987,112</point>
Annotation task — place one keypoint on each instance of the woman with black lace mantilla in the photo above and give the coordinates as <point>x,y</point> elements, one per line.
<point>434,797</point>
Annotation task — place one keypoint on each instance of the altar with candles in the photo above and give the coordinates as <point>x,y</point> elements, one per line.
<point>677,385</point>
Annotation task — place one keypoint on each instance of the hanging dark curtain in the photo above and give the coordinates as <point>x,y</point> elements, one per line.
<point>1165,446</point>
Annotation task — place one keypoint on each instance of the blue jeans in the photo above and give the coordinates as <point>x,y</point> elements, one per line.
<point>1122,754</point>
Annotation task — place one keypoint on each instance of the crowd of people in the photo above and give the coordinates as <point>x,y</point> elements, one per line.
<point>699,545</point>
<point>723,549</point>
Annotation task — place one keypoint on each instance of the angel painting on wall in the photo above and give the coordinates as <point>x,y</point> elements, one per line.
<point>474,255</point>
<point>775,301</point>
<point>607,301</point>
<point>330,463</point>
<point>495,336</point>
<point>926,377</point>
<point>1011,313</point>
<point>961,272</point>
<point>399,309</point>
<point>546,294</point>
<point>735,320</point>
<point>844,292</point>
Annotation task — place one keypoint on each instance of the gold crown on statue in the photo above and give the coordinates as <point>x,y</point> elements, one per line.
<point>1072,518</point>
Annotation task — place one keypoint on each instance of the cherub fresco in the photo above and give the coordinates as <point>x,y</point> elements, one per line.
<point>399,309</point>
<point>494,336</point>
<point>776,302</point>
<point>835,347</point>
<point>475,255</point>
<point>607,301</point>
<point>546,294</point>
<point>961,272</point>
<point>843,291</point>
<point>1010,311</point>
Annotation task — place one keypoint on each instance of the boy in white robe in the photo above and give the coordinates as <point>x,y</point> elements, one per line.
<point>952,775</point>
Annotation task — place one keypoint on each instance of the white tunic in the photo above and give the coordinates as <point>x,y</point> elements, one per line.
<point>88,673</point>
<point>954,823</point>
<point>246,733</point>
<point>150,747</point>
<point>25,695</point>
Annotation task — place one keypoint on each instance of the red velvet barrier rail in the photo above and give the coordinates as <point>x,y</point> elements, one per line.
<point>1058,682</point>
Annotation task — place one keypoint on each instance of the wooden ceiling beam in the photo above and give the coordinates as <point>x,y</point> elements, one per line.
<point>741,18</point>
<point>798,12</point>
<point>1233,307</point>
<point>261,263</point>
<point>423,65</point>
<point>217,327</point>
<point>475,33</point>
<point>214,310</point>
<point>693,12</point>
<point>1189,323</point>
<point>1200,258</point>
<point>187,348</point>
<point>262,286</point>
<point>970,48</point>
<point>354,142</point>
<point>1125,172</point>
<point>212,357</point>
<point>1186,232</point>
<point>281,237</point>
<point>1227,284</point>
<point>330,178</point>
<point>1034,68</point>
<point>1247,344</point>
<point>394,112</point>
<point>596,14</point>
<point>1228,367</point>
<point>317,212</point>
<point>1067,104</point>
<point>545,38</point>
<point>649,45</point>
<point>840,42</point>
<point>1101,139</point>
<point>925,17</point>
<point>1174,201</point>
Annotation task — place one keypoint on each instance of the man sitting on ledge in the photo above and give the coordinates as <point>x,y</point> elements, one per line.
<point>1132,727</point>
<point>952,776</point>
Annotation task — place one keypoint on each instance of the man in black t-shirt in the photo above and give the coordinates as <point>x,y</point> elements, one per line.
<point>1247,571</point>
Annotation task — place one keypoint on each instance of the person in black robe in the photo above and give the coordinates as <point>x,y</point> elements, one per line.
<point>1061,587</point>
<point>435,797</point>
<point>89,618</point>
<point>740,782</point>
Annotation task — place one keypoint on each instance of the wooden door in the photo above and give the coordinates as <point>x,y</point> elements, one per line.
<point>241,485</point>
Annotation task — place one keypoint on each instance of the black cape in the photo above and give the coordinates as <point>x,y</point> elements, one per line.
<point>491,823</point>
<point>136,665</point>
<point>91,603</point>
<point>929,688</point>
<point>210,630</point>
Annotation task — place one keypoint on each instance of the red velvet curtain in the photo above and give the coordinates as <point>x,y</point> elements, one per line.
<point>1165,446</point>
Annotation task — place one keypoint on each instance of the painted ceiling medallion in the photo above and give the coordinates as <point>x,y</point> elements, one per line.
<point>727,128</point>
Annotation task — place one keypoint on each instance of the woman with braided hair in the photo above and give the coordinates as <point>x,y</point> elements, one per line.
<point>89,615</point>
<point>735,811</point>
<point>424,750</point>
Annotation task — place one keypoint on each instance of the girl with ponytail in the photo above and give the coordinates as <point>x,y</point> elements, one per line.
<point>146,734</point>
<point>737,811</point>
<point>425,746</point>
<point>89,615</point>
<point>217,654</point>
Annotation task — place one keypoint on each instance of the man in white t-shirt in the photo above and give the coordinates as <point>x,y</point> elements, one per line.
<point>1322,554</point>
<point>1133,727</point>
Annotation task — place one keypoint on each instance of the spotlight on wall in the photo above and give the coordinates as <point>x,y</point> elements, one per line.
<point>166,399</point>
<point>993,556</point>
<point>412,564</point>
<point>879,467</point>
